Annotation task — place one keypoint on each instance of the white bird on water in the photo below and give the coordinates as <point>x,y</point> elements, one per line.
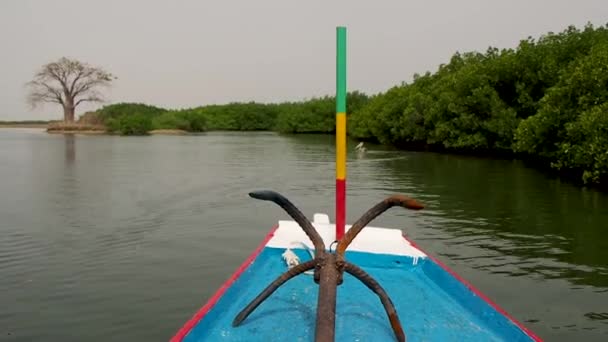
<point>360,147</point>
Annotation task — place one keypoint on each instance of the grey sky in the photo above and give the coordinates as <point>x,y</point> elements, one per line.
<point>189,53</point>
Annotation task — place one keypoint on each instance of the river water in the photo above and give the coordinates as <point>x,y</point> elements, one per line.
<point>107,238</point>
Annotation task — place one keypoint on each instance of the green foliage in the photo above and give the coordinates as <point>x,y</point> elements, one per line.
<point>582,85</point>
<point>170,120</point>
<point>317,115</point>
<point>249,116</point>
<point>129,118</point>
<point>355,100</point>
<point>197,122</point>
<point>133,124</point>
<point>191,120</point>
<point>120,109</point>
<point>539,99</point>
<point>585,147</point>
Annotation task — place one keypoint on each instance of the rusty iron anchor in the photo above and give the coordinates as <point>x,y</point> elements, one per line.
<point>330,267</point>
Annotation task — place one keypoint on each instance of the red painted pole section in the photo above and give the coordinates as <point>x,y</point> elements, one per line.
<point>340,207</point>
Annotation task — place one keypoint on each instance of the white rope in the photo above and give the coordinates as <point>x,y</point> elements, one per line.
<point>291,259</point>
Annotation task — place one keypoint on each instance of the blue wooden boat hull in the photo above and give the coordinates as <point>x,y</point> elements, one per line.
<point>433,303</point>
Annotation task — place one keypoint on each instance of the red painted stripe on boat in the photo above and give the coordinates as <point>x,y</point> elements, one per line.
<point>179,336</point>
<point>477,292</point>
<point>340,207</point>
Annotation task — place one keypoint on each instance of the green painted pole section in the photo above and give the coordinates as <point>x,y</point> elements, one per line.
<point>341,70</point>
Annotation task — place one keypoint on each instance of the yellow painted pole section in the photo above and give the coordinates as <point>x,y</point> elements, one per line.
<point>341,146</point>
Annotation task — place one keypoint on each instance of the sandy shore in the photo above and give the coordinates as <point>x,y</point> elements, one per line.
<point>23,125</point>
<point>67,131</point>
<point>75,128</point>
<point>85,129</point>
<point>168,132</point>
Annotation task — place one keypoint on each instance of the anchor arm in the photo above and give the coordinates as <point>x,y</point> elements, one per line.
<point>371,214</point>
<point>373,285</point>
<point>296,214</point>
<point>283,278</point>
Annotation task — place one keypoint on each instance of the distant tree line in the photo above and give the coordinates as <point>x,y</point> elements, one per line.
<point>545,100</point>
<point>316,115</point>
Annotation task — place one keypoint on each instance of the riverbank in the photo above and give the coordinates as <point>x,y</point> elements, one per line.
<point>80,128</point>
<point>24,124</point>
<point>553,113</point>
<point>543,165</point>
<point>168,132</point>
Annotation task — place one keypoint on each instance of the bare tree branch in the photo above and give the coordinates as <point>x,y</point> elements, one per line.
<point>34,98</point>
<point>80,74</point>
<point>88,99</point>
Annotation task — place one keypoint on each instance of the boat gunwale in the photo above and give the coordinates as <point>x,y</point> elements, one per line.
<point>476,291</point>
<point>202,312</point>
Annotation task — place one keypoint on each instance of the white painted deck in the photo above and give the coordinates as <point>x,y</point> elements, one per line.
<point>370,239</point>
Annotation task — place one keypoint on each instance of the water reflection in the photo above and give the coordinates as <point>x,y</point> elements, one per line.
<point>70,148</point>
<point>497,215</point>
<point>554,229</point>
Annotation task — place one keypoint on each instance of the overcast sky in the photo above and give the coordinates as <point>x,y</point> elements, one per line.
<point>188,53</point>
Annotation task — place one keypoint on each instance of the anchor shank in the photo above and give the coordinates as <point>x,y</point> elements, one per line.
<point>326,305</point>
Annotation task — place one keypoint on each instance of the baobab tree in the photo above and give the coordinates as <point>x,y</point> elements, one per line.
<point>69,83</point>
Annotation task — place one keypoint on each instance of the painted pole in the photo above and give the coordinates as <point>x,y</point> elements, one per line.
<point>340,131</point>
